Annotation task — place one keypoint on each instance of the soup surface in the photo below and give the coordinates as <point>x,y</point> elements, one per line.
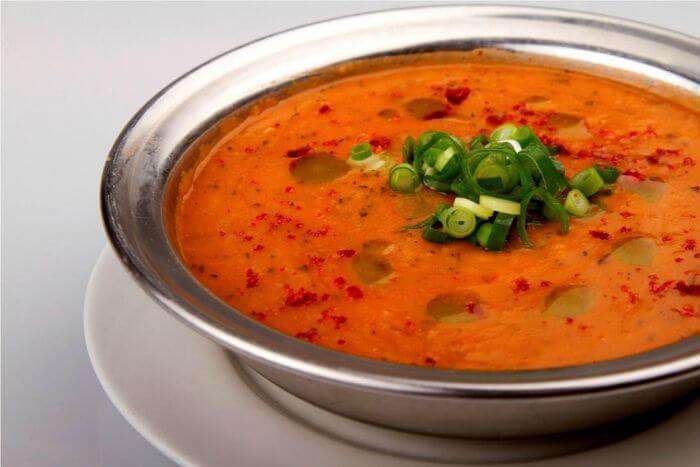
<point>274,221</point>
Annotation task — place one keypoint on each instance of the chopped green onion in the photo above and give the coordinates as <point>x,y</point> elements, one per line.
<point>436,185</point>
<point>483,234</point>
<point>443,158</point>
<point>458,222</point>
<point>499,232</point>
<point>516,145</point>
<point>404,178</point>
<point>492,176</point>
<point>360,152</point>
<point>503,132</point>
<point>500,205</point>
<point>408,150</point>
<point>576,203</point>
<point>436,236</point>
<point>525,136</point>
<point>478,142</point>
<point>588,181</point>
<point>478,210</point>
<point>608,173</point>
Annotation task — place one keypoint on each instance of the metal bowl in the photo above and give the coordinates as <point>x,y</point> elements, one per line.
<point>137,206</point>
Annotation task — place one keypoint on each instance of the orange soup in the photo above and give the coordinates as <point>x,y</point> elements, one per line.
<point>276,221</point>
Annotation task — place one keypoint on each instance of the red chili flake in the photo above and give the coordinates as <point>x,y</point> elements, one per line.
<point>625,229</point>
<point>653,160</point>
<point>252,279</point>
<point>599,234</point>
<point>325,297</point>
<point>291,236</point>
<point>634,173</point>
<point>324,109</point>
<point>341,341</point>
<point>259,315</point>
<point>520,285</point>
<point>346,253</point>
<point>380,143</point>
<point>288,189</point>
<point>686,311</point>
<point>569,320</point>
<point>354,292</point>
<point>666,238</point>
<point>545,283</point>
<point>339,282</point>
<point>222,233</point>
<point>688,289</point>
<point>689,244</point>
<point>430,361</point>
<point>316,260</point>
<point>311,335</point>
<point>331,142</point>
<point>258,247</point>
<point>688,162</point>
<point>633,297</point>
<point>626,214</point>
<point>657,289</point>
<point>457,95</point>
<point>300,297</point>
<point>678,260</point>
<point>319,233</point>
<point>261,217</point>
<point>302,151</point>
<point>495,120</point>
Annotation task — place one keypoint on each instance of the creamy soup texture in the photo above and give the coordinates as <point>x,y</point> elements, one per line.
<point>274,221</point>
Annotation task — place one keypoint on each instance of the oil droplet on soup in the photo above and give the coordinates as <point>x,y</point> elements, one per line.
<point>318,168</point>
<point>569,301</point>
<point>425,108</point>
<point>371,264</point>
<point>635,252</point>
<point>455,308</point>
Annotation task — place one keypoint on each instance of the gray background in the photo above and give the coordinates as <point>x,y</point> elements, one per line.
<point>71,77</point>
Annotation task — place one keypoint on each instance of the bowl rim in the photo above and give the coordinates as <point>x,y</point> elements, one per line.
<point>252,339</point>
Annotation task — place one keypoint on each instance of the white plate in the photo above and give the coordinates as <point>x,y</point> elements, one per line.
<point>191,400</point>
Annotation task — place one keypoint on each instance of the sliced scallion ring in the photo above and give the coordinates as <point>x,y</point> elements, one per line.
<point>516,145</point>
<point>492,176</point>
<point>503,132</point>
<point>576,203</point>
<point>404,178</point>
<point>478,210</point>
<point>443,158</point>
<point>500,205</point>
<point>483,234</point>
<point>588,181</point>
<point>458,222</point>
<point>360,152</point>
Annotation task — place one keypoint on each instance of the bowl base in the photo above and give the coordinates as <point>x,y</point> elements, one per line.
<point>444,449</point>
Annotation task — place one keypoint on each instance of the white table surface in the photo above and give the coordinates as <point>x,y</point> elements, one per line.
<point>72,75</point>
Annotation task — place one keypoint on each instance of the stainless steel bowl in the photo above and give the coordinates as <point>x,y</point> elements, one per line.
<point>152,149</point>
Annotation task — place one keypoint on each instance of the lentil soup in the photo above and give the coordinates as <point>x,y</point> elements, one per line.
<point>277,221</point>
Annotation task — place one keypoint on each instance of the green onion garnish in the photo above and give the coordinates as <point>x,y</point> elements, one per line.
<point>588,181</point>
<point>408,150</point>
<point>500,205</point>
<point>511,174</point>
<point>360,152</point>
<point>576,203</point>
<point>483,234</point>
<point>503,132</point>
<point>478,210</point>
<point>436,236</point>
<point>404,178</point>
<point>458,222</point>
<point>608,174</point>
